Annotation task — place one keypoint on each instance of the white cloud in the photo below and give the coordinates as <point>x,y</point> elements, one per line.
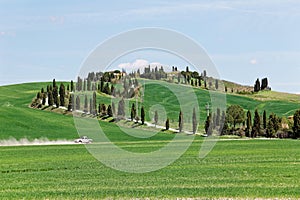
<point>57,19</point>
<point>139,64</point>
<point>253,61</point>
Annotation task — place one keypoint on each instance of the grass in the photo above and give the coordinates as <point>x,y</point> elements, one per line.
<point>234,168</point>
<point>19,121</point>
<point>237,169</point>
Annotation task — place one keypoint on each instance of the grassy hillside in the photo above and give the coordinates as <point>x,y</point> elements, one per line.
<point>18,120</point>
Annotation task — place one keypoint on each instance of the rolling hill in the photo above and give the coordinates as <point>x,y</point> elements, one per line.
<point>18,120</point>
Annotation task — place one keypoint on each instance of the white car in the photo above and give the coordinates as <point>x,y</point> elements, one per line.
<point>83,139</point>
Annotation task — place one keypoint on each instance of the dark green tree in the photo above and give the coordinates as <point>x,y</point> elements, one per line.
<point>121,108</point>
<point>155,118</point>
<point>248,124</point>
<point>62,94</point>
<point>133,112</point>
<point>50,98</point>
<point>54,83</point>
<point>296,126</point>
<point>224,124</point>
<point>272,126</point>
<point>72,86</point>
<point>109,111</point>
<point>217,84</point>
<point>264,83</point>
<point>38,95</point>
<point>257,86</point>
<point>103,109</point>
<point>91,106</point>
<point>180,121</point>
<point>167,124</point>
<point>70,105</point>
<point>94,103</point>
<point>235,115</point>
<point>218,117</point>
<point>195,123</point>
<point>207,126</point>
<point>43,99</point>
<point>85,107</point>
<point>256,129</point>
<point>55,95</point>
<point>57,103</point>
<point>143,115</point>
<point>77,103</point>
<point>264,120</point>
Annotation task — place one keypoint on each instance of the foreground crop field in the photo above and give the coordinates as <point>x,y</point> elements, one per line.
<point>240,168</point>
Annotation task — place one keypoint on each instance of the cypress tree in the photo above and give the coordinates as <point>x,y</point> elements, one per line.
<point>101,84</point>
<point>256,124</point>
<point>50,98</point>
<point>224,122</point>
<point>167,124</point>
<point>57,103</point>
<point>218,117</point>
<point>142,115</point>
<point>217,84</point>
<point>155,118</point>
<point>99,109</point>
<point>264,120</point>
<point>77,103</point>
<point>109,111</point>
<point>55,95</point>
<point>121,108</point>
<point>296,126</point>
<point>38,95</point>
<point>44,99</point>
<point>62,94</point>
<point>54,83</point>
<point>94,104</point>
<point>180,121</point>
<point>72,86</point>
<point>248,123</point>
<point>70,105</point>
<point>194,121</point>
<point>103,109</point>
<point>257,86</point>
<point>85,108</point>
<point>133,112</point>
<point>207,126</point>
<point>112,90</point>
<point>91,106</point>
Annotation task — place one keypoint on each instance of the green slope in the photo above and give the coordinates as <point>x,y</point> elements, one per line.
<point>18,120</point>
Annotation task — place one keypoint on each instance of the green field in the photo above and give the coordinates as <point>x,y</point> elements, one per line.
<point>240,169</point>
<point>234,168</point>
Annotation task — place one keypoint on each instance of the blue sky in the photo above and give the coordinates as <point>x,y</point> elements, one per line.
<point>41,40</point>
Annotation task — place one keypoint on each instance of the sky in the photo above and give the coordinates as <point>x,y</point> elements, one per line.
<point>42,40</point>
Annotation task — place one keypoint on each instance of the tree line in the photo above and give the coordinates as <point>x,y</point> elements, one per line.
<point>235,121</point>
